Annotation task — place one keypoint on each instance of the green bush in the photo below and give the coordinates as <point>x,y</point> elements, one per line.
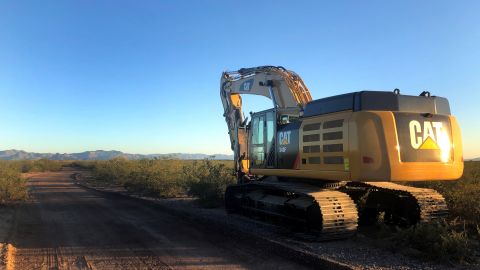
<point>455,239</point>
<point>156,177</point>
<point>462,196</point>
<point>83,164</point>
<point>436,240</point>
<point>41,165</point>
<point>160,178</point>
<point>168,178</point>
<point>115,171</point>
<point>207,180</point>
<point>12,186</point>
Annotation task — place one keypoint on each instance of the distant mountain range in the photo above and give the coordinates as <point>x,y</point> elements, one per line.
<point>106,155</point>
<point>103,155</point>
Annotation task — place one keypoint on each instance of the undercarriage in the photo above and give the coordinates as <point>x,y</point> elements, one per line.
<point>333,210</point>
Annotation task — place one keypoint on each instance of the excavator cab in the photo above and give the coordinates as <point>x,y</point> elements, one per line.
<point>269,129</point>
<point>262,139</point>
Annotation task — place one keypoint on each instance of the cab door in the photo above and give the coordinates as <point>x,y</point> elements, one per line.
<point>262,140</point>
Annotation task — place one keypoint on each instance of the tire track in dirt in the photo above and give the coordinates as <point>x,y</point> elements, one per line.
<point>65,226</point>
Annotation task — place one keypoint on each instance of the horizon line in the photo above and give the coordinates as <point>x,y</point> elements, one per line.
<point>191,153</point>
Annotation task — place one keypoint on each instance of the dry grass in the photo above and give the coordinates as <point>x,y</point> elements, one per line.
<point>455,240</point>
<point>463,196</point>
<point>41,165</point>
<point>12,185</point>
<point>158,178</point>
<point>206,179</point>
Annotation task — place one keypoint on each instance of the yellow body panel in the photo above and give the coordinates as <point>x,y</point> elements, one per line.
<point>311,174</point>
<point>245,165</point>
<point>364,148</point>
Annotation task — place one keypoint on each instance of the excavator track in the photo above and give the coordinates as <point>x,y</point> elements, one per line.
<point>330,214</point>
<point>422,204</point>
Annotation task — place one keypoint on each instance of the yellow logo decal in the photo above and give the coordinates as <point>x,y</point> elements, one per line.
<point>426,136</point>
<point>429,144</point>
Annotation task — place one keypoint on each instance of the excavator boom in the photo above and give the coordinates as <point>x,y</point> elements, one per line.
<point>284,87</point>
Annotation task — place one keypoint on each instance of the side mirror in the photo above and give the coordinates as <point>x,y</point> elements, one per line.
<point>284,119</point>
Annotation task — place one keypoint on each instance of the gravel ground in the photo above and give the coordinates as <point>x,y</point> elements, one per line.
<point>66,226</point>
<point>355,253</point>
<point>7,216</point>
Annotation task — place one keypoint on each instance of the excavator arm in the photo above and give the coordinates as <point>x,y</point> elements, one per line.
<point>284,87</point>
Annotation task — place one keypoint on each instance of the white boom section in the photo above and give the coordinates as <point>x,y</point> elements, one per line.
<point>284,87</point>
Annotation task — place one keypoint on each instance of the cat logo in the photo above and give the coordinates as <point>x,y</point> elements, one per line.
<point>247,85</point>
<point>284,137</point>
<point>429,136</point>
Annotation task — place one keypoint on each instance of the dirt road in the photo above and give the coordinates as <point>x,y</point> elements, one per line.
<point>65,226</point>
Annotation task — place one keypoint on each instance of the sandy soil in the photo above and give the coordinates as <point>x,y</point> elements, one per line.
<point>358,252</point>
<point>65,226</point>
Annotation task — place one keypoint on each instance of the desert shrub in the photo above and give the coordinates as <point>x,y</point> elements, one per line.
<point>12,186</point>
<point>156,177</point>
<point>41,165</point>
<point>115,171</point>
<point>25,165</point>
<point>161,178</point>
<point>436,240</point>
<point>453,240</point>
<point>207,181</point>
<point>83,164</point>
<point>167,178</point>
<point>462,196</point>
<point>440,241</point>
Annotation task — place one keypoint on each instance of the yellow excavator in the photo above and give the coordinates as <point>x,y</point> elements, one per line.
<point>331,163</point>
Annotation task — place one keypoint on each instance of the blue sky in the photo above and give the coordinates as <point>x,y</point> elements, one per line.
<point>143,76</point>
